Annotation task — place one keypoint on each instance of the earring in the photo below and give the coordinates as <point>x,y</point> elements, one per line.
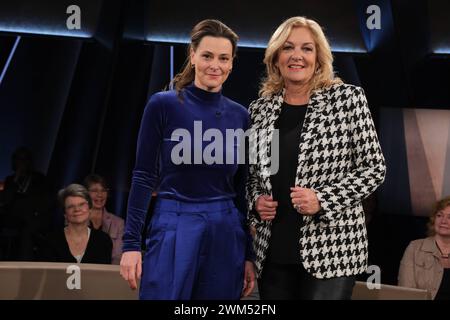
<point>192,66</point>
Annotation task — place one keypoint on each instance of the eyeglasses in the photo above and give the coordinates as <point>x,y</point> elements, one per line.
<point>74,207</point>
<point>99,190</point>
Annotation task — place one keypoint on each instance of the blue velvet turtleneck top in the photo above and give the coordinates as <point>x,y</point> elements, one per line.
<point>171,121</point>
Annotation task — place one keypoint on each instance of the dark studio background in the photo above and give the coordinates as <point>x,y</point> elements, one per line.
<point>75,97</point>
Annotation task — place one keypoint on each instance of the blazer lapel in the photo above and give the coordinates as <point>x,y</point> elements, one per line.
<point>312,126</point>
<point>106,221</point>
<point>265,139</point>
<point>429,245</point>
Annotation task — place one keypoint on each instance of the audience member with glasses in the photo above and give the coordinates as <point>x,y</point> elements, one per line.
<point>100,218</point>
<point>77,242</point>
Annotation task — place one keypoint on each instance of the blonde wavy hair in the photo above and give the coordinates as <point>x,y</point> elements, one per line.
<point>324,74</point>
<point>438,206</point>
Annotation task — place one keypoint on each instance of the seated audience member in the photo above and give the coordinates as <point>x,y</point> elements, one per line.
<point>100,218</point>
<point>77,242</point>
<point>426,262</point>
<point>24,209</point>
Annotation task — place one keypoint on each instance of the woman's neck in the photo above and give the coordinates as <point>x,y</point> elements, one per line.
<point>77,230</point>
<point>96,212</point>
<point>443,244</point>
<point>296,94</point>
<point>96,217</point>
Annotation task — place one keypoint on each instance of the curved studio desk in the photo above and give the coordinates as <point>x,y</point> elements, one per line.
<point>48,280</point>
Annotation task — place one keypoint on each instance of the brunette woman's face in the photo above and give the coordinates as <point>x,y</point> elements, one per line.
<point>213,61</point>
<point>99,195</point>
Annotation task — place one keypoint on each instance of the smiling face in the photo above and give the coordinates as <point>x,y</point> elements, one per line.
<point>442,222</point>
<point>213,61</point>
<point>297,57</point>
<point>99,195</point>
<point>76,210</point>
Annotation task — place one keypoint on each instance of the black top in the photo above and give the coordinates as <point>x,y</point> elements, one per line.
<point>444,289</point>
<point>98,249</point>
<point>91,225</point>
<point>285,233</point>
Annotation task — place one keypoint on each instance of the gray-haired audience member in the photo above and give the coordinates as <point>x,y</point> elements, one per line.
<point>77,242</point>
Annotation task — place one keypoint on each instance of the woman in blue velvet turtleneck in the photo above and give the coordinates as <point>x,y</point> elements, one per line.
<point>198,244</point>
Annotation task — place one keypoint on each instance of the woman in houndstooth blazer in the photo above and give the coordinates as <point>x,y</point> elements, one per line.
<point>309,175</point>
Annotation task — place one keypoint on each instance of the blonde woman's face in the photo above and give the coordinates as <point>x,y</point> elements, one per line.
<point>297,57</point>
<point>442,222</point>
<point>213,61</point>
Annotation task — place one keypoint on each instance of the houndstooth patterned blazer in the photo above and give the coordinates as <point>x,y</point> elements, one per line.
<point>341,160</point>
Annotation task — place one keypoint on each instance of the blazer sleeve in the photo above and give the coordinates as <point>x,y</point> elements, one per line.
<point>369,164</point>
<point>406,271</point>
<point>253,190</point>
<point>117,242</point>
<point>240,179</point>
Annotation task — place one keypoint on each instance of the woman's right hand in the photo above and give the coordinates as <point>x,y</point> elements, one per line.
<point>266,207</point>
<point>131,267</point>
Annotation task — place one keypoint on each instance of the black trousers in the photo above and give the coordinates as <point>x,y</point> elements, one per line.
<point>293,282</point>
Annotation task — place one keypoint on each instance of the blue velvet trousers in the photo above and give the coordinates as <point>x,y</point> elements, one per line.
<point>194,251</point>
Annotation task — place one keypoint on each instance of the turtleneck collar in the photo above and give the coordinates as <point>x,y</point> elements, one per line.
<point>203,94</point>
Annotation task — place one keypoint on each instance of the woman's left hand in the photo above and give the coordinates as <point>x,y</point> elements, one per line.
<point>305,201</point>
<point>249,279</point>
